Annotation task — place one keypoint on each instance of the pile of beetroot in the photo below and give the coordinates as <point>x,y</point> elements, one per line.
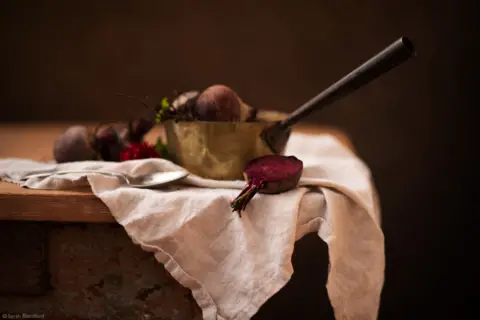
<point>215,103</point>
<point>268,174</point>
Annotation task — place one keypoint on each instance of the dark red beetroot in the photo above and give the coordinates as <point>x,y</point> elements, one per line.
<point>218,103</point>
<point>215,103</point>
<point>269,174</point>
<point>183,107</point>
<point>188,99</point>
<point>77,143</point>
<point>108,143</point>
<point>137,129</point>
<point>74,145</point>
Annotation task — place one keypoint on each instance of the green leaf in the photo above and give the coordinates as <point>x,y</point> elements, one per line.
<point>161,148</point>
<point>165,104</point>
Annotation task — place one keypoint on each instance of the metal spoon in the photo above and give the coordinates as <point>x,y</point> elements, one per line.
<point>156,179</point>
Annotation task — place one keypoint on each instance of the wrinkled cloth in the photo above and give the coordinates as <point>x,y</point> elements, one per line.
<point>234,264</point>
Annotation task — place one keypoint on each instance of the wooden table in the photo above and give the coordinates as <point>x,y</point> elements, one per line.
<point>34,141</point>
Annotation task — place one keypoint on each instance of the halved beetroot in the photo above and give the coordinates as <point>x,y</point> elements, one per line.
<point>269,174</point>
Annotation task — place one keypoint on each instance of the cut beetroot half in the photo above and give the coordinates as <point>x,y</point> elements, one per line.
<point>269,174</point>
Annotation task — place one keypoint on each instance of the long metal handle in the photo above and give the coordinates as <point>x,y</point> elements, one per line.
<point>389,58</point>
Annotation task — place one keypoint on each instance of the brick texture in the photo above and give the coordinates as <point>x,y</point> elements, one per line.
<point>96,272</point>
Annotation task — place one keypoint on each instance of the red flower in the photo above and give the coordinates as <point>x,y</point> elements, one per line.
<point>140,150</point>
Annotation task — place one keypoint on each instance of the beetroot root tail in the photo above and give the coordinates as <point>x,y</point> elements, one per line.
<point>241,201</point>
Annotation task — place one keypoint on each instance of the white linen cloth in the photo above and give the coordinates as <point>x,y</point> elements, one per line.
<point>234,264</point>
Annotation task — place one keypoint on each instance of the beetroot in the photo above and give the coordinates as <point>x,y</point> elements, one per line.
<point>137,129</point>
<point>186,99</point>
<point>107,143</point>
<point>218,103</point>
<point>183,107</point>
<point>215,103</point>
<point>74,144</point>
<point>77,143</point>
<point>269,174</point>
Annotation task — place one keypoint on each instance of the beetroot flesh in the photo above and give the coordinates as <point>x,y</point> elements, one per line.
<point>269,174</point>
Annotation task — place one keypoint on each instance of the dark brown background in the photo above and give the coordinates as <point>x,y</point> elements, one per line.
<point>65,60</point>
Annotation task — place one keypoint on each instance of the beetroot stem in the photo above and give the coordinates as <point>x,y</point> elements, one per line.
<point>245,189</point>
<point>249,197</point>
<point>240,202</point>
<point>135,99</point>
<point>237,203</point>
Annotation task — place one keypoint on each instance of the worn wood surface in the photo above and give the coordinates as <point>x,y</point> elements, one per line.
<point>34,141</point>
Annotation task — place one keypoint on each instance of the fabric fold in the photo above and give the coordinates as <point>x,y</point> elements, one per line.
<point>234,264</point>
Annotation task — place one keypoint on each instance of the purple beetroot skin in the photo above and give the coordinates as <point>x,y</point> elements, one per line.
<point>269,174</point>
<point>74,145</point>
<point>215,103</point>
<point>183,107</point>
<point>218,103</point>
<point>137,129</point>
<point>77,143</point>
<point>108,143</point>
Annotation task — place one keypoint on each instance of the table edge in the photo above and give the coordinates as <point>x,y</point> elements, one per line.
<point>55,205</point>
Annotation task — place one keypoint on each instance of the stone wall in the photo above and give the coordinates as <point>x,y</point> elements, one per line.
<point>94,271</point>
